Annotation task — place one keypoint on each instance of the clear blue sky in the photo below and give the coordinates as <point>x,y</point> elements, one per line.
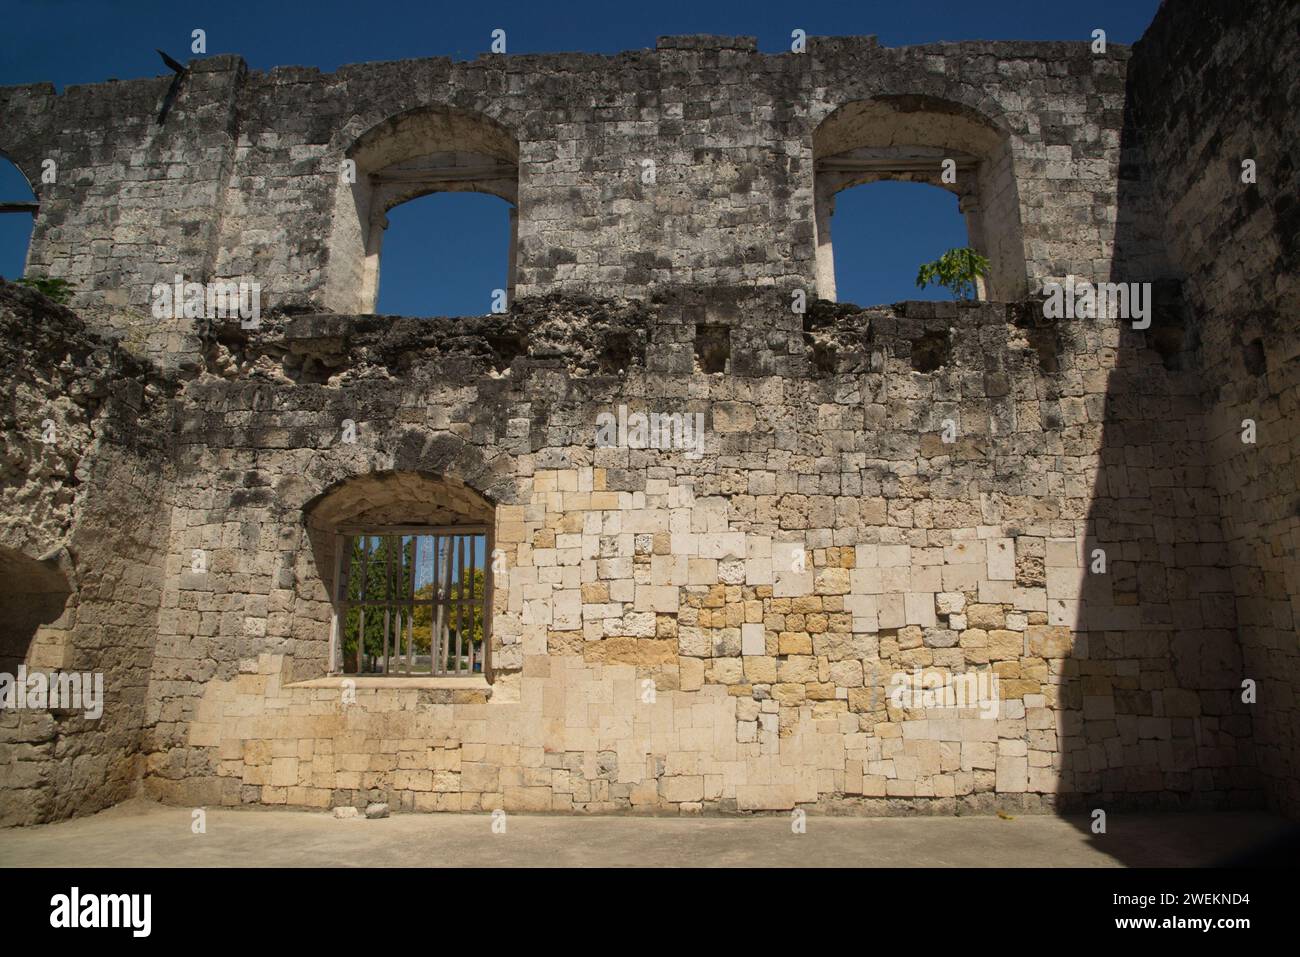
<point>444,254</point>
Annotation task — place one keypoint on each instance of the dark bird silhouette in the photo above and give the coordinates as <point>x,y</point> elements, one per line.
<point>170,62</point>
<point>174,88</point>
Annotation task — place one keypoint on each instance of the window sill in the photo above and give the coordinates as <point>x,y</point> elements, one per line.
<point>399,682</point>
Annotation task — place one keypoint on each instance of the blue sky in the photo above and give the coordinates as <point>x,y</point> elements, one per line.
<point>444,254</point>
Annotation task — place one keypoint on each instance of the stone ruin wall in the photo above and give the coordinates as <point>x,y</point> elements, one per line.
<point>771,687</point>
<point>83,529</point>
<point>242,180</point>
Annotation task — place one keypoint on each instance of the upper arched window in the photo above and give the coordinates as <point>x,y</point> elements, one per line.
<point>919,139</point>
<point>445,254</point>
<point>17,212</point>
<point>883,230</point>
<point>423,151</point>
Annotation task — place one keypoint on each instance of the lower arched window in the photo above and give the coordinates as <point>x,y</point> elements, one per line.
<point>413,601</point>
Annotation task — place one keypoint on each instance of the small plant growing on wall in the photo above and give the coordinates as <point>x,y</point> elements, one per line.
<point>56,290</point>
<point>956,270</point>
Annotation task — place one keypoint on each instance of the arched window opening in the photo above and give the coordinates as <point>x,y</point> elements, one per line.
<point>884,231</point>
<point>922,139</point>
<point>405,559</point>
<point>17,215</point>
<point>445,254</point>
<point>411,155</point>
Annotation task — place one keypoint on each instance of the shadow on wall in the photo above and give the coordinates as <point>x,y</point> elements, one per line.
<point>33,594</point>
<point>1151,714</point>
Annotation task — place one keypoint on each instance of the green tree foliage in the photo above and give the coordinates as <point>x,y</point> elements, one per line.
<point>956,270</point>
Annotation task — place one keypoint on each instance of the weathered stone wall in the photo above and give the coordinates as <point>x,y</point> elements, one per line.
<point>133,202</point>
<point>1214,84</point>
<point>243,178</point>
<point>969,490</point>
<point>84,492</point>
<point>771,679</point>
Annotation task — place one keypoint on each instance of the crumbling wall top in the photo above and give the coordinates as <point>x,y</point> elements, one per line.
<point>704,41</point>
<point>692,164</point>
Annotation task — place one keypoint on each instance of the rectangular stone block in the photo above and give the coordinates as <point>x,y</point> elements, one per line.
<point>1001,554</point>
<point>919,609</point>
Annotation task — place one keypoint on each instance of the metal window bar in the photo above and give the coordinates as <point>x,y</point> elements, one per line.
<point>361,612</point>
<point>431,583</point>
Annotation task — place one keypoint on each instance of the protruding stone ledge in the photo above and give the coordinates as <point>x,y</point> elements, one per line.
<point>443,689</point>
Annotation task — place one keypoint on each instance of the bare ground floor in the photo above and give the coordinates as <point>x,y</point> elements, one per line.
<point>142,833</point>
